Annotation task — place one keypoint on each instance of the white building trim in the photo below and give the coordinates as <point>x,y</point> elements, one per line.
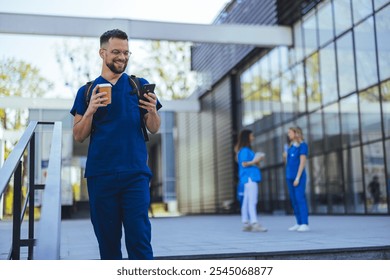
<point>14,102</point>
<point>257,35</point>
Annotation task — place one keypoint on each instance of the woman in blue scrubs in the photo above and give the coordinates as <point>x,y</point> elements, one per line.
<point>250,176</point>
<point>296,178</point>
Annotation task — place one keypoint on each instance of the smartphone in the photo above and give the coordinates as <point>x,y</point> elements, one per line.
<point>147,88</point>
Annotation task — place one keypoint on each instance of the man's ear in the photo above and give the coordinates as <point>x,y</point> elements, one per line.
<point>101,52</point>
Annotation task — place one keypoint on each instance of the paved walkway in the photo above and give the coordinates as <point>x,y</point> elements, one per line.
<point>221,234</point>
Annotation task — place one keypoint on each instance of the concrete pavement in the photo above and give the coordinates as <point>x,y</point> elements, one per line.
<point>220,236</point>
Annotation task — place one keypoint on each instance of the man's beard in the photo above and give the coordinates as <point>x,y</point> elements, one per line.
<point>115,69</point>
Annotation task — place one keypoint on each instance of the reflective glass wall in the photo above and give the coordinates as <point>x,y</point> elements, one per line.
<point>335,84</point>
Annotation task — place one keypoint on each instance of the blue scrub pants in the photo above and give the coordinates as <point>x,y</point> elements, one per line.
<point>298,200</point>
<point>116,200</point>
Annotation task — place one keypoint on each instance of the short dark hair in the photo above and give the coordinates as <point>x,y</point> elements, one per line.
<point>114,33</point>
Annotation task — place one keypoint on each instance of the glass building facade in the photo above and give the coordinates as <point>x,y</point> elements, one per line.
<point>335,84</point>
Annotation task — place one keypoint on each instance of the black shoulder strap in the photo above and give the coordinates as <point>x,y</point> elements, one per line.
<point>136,85</point>
<point>87,96</point>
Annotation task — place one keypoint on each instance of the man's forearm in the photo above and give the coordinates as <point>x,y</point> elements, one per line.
<point>82,128</point>
<point>153,122</point>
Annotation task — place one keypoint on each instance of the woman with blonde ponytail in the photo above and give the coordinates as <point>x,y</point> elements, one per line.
<point>296,178</point>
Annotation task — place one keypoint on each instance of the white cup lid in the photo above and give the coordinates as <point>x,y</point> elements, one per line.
<point>105,85</point>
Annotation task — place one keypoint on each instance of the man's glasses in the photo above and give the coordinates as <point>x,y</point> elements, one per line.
<point>118,52</point>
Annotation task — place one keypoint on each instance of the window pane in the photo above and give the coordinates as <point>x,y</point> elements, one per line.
<point>385,87</point>
<point>335,183</point>
<point>328,74</point>
<point>374,168</point>
<point>361,9</point>
<point>353,181</point>
<point>346,65</point>
<point>246,83</point>
<point>312,82</point>
<point>332,127</point>
<point>286,95</point>
<point>380,3</point>
<point>264,69</point>
<point>316,132</point>
<point>276,105</point>
<point>386,192</point>
<point>365,54</point>
<point>280,195</point>
<point>318,180</point>
<point>298,87</point>
<point>383,38</point>
<point>349,120</point>
<point>284,58</point>
<point>310,34</point>
<point>325,23</point>
<point>302,122</point>
<point>370,114</point>
<point>250,83</point>
<point>248,117</point>
<point>274,62</point>
<point>343,17</point>
<point>298,41</point>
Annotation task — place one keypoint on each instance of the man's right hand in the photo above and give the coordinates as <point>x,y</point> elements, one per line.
<point>96,101</point>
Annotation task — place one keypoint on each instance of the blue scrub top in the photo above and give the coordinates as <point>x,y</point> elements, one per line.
<point>294,159</point>
<point>116,141</point>
<point>244,173</point>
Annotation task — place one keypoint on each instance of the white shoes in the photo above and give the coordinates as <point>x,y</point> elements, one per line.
<point>258,228</point>
<point>293,228</point>
<point>247,227</point>
<point>300,228</point>
<point>303,228</point>
<point>254,227</point>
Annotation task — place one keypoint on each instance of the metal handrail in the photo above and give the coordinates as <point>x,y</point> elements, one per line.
<point>13,159</point>
<point>48,242</point>
<point>51,206</point>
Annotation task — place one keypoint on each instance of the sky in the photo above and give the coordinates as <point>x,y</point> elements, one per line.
<point>40,50</point>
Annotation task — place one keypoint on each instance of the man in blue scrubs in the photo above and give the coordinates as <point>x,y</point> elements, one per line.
<point>116,170</point>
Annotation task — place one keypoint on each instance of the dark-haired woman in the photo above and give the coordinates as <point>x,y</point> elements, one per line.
<point>250,176</point>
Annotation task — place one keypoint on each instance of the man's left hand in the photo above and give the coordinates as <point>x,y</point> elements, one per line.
<point>151,105</point>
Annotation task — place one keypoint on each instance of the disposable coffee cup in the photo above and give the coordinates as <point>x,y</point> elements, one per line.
<point>106,88</point>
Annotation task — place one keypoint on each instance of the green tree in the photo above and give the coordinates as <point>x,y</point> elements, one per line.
<point>165,63</point>
<point>168,65</point>
<point>78,61</point>
<point>19,78</point>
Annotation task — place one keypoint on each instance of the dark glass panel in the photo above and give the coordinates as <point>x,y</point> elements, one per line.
<point>325,22</point>
<point>383,39</point>
<point>353,180</point>
<point>349,120</point>
<point>328,74</point>
<point>332,127</point>
<point>365,54</point>
<point>346,65</point>
<point>313,92</point>
<point>370,114</point>
<point>375,179</point>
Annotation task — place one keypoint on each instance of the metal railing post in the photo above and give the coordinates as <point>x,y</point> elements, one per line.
<point>31,198</point>
<point>17,212</point>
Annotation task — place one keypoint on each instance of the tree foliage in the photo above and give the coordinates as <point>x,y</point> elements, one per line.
<point>79,62</point>
<point>168,65</point>
<point>19,78</point>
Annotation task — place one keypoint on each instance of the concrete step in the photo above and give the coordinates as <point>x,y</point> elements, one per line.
<point>363,253</point>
